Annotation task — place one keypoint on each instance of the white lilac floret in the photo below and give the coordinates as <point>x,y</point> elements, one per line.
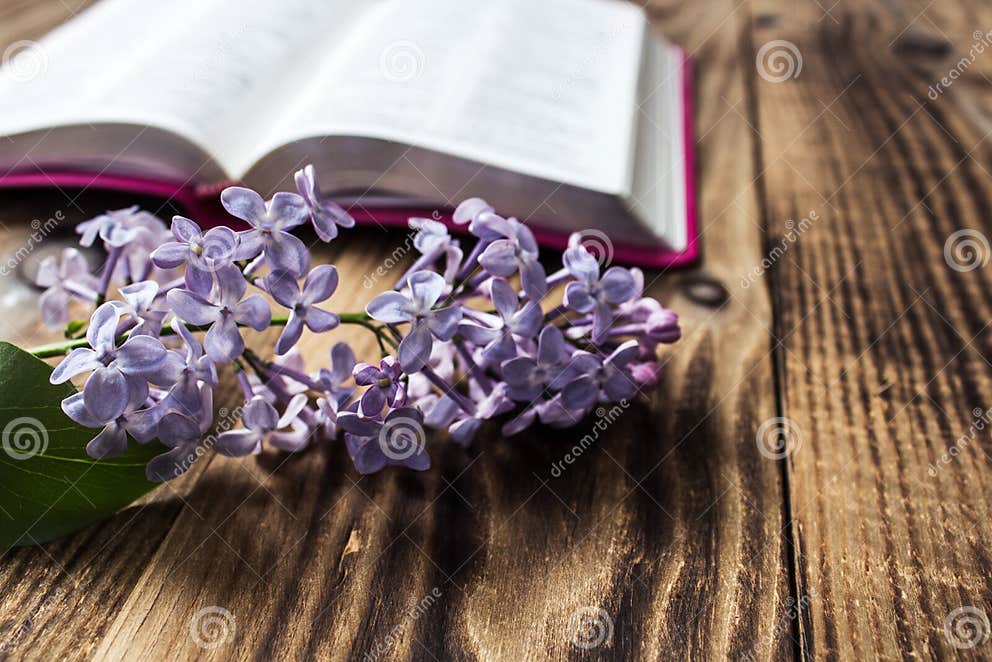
<point>465,337</point>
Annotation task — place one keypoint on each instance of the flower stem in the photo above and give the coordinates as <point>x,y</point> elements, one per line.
<point>64,347</point>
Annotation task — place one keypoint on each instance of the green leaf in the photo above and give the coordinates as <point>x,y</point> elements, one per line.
<point>49,487</point>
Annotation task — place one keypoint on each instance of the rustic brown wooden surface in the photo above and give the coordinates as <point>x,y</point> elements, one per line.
<point>855,331</point>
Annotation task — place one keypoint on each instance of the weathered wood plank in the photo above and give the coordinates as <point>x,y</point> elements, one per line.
<point>883,346</point>
<point>671,522</point>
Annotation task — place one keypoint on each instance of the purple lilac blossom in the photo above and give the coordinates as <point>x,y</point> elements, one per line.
<point>463,337</point>
<point>223,341</point>
<point>65,280</point>
<point>417,309</point>
<point>271,222</point>
<point>384,386</point>
<point>203,253</point>
<point>325,215</point>
<point>318,286</point>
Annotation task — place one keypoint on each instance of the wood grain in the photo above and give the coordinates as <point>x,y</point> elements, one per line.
<point>882,346</point>
<point>847,326</point>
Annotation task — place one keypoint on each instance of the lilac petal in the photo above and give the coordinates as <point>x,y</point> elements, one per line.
<point>556,414</point>
<point>75,408</point>
<point>140,355</point>
<point>602,320</point>
<point>74,264</point>
<point>431,237</point>
<point>444,322</point>
<point>488,226</point>
<point>443,413</point>
<point>581,263</point>
<point>320,284</point>
<point>365,454</point>
<point>54,303</point>
<point>238,443</point>
<point>293,409</point>
<point>342,361</point>
<point>469,209</point>
<point>285,252</point>
<point>190,307</point>
<point>527,322</point>
<point>286,210</point>
<point>463,432</point>
<point>663,325</point>
<point>327,216</point>
<point>283,287</point>
<point>518,371</point>
<point>175,428</point>
<point>110,442</point>
<point>453,262</point>
<point>525,238</point>
<point>218,248</point>
<point>199,280</point>
<point>577,297</point>
<point>551,346</point>
<point>499,258</point>
<point>88,230</point>
<point>306,182</point>
<point>533,278</point>
<point>358,425</point>
<point>580,393</point>
<point>223,341</point>
<point>366,374</point>
<point>415,348</point>
<point>624,354</point>
<point>260,415</point>
<point>231,286</point>
<point>140,295</point>
<point>290,334</point>
<point>143,424</point>
<point>106,394</point>
<point>480,335</point>
<point>243,203</point>
<point>171,465</point>
<point>250,244</point>
<point>372,402</point>
<point>294,441</point>
<point>48,272</point>
<point>523,421</point>
<point>184,229</point>
<point>389,307</point>
<point>426,287</point>
<point>170,255</point>
<point>504,298</point>
<point>338,213</point>
<point>618,285</point>
<point>620,386</point>
<point>254,312</point>
<point>78,361</point>
<point>579,365</point>
<point>501,350</point>
<point>103,327</point>
<point>319,320</point>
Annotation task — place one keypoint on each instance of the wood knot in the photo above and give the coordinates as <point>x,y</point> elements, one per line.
<point>920,44</point>
<point>766,21</point>
<point>705,291</point>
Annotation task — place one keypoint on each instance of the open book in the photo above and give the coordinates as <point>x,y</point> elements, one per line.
<point>569,114</point>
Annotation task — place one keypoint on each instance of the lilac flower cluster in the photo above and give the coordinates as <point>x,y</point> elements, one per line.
<point>461,341</point>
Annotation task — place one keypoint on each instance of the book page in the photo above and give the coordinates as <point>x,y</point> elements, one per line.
<point>658,194</point>
<point>545,89</point>
<point>194,67</point>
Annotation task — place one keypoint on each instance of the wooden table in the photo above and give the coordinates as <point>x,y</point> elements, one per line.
<point>831,202</point>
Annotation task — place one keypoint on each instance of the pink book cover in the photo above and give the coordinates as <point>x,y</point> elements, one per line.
<point>202,203</point>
